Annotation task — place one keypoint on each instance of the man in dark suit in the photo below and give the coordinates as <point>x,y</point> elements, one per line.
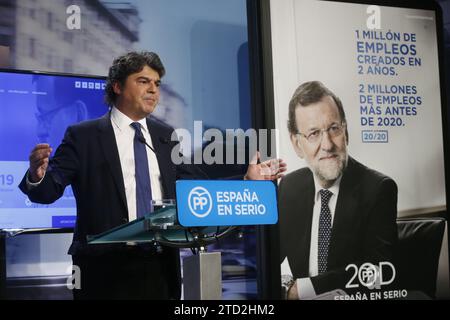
<point>114,175</point>
<point>335,212</point>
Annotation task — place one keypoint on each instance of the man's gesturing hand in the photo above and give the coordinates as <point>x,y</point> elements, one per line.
<point>268,170</point>
<point>39,161</point>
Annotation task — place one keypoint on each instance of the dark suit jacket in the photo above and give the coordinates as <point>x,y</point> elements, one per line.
<point>364,225</point>
<point>88,159</point>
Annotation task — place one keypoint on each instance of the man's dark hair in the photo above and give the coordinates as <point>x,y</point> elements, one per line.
<point>127,64</point>
<point>309,93</point>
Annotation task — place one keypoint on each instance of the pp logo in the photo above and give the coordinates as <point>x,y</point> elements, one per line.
<point>200,202</point>
<point>371,276</point>
<point>367,275</point>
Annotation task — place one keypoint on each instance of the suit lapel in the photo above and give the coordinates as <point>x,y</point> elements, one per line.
<point>306,242</point>
<point>303,207</point>
<point>346,214</point>
<point>111,154</point>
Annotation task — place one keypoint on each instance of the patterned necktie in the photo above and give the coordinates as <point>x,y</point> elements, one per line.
<point>143,188</point>
<point>324,229</point>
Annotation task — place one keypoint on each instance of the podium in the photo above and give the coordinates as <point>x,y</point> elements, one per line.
<point>202,272</point>
<point>201,204</point>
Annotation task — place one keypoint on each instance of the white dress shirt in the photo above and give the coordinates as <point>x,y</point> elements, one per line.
<point>304,285</point>
<point>124,134</point>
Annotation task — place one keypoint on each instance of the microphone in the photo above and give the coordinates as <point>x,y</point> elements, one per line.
<point>142,140</point>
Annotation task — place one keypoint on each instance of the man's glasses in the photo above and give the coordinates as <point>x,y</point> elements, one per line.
<point>315,136</point>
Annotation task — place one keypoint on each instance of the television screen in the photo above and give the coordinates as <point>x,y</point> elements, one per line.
<point>358,105</point>
<point>37,108</point>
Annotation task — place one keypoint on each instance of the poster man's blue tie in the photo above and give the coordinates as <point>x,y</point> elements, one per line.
<point>324,230</point>
<point>143,187</point>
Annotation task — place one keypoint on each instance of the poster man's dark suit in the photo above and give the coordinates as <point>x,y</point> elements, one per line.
<point>364,226</point>
<point>88,159</point>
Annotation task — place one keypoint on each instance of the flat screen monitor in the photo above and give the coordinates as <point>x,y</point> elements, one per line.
<point>37,108</point>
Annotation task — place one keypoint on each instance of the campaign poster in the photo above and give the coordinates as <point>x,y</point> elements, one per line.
<point>385,157</point>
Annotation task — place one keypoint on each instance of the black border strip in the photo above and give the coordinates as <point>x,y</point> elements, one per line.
<point>263,116</point>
